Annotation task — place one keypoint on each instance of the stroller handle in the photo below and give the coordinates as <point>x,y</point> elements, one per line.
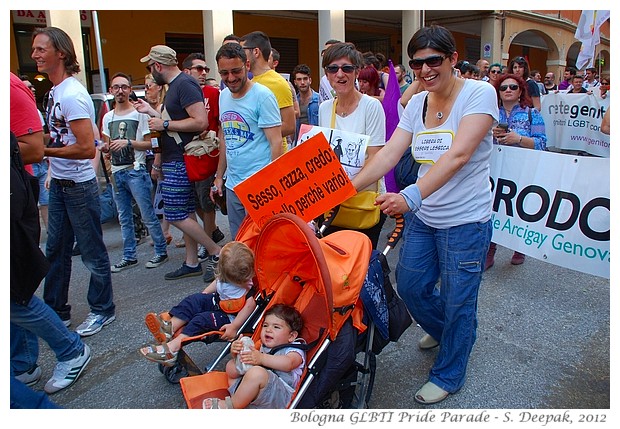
<point>328,219</point>
<point>396,234</point>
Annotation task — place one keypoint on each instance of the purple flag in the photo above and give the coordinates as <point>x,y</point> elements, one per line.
<point>390,107</point>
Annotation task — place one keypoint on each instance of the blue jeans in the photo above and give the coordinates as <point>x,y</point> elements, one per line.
<point>37,320</point>
<point>137,184</point>
<point>447,312</point>
<point>23,397</point>
<point>74,212</point>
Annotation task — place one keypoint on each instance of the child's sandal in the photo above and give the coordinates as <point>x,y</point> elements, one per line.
<point>160,328</point>
<point>214,403</point>
<point>164,357</point>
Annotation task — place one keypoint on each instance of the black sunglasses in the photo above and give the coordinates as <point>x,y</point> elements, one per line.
<point>201,68</point>
<point>494,71</point>
<point>432,61</point>
<point>148,66</point>
<point>512,86</point>
<point>346,68</point>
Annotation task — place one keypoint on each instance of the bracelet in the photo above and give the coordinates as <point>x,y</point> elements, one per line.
<point>156,168</point>
<point>520,139</point>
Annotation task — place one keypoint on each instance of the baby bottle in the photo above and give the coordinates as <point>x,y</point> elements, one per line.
<point>247,346</point>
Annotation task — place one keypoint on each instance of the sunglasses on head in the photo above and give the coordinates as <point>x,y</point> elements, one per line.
<point>512,86</point>
<point>346,68</point>
<point>432,61</point>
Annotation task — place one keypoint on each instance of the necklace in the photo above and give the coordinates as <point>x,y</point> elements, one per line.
<point>345,110</point>
<point>439,114</point>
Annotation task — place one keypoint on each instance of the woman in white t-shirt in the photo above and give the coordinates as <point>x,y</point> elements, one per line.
<point>448,210</point>
<point>354,112</point>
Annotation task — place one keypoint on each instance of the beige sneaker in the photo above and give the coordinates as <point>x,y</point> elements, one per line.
<point>427,342</point>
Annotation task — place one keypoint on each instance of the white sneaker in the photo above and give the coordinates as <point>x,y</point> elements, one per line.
<point>66,373</point>
<point>93,324</point>
<point>30,378</point>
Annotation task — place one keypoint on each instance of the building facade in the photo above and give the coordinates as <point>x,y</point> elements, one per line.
<point>119,38</point>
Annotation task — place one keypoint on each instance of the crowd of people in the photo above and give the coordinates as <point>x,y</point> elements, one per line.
<point>257,115</point>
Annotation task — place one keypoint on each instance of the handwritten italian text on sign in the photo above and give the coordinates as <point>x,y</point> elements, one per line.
<point>306,181</point>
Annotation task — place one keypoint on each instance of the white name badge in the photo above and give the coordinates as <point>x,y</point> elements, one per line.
<point>430,145</point>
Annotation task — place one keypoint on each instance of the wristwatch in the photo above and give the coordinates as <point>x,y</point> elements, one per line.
<point>166,123</point>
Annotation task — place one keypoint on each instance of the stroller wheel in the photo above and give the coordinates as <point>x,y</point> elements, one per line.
<point>357,395</point>
<point>175,373</point>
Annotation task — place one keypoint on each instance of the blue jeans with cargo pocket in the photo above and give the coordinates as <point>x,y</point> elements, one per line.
<point>447,311</point>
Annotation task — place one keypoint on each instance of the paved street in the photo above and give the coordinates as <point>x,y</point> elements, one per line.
<point>543,340</point>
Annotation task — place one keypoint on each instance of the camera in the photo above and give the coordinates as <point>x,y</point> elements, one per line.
<point>133,97</point>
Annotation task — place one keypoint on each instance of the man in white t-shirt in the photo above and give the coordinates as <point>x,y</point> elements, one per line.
<point>124,131</point>
<point>74,209</point>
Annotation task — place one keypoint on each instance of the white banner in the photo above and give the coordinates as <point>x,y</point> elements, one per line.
<point>573,121</point>
<point>553,207</point>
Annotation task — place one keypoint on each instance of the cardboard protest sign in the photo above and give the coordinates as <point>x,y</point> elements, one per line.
<point>306,181</point>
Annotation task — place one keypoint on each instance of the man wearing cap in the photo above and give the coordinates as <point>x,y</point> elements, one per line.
<point>183,116</point>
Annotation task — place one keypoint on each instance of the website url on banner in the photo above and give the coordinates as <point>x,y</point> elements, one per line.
<point>590,141</point>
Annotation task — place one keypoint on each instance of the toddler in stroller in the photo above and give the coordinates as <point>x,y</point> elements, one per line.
<point>223,306</point>
<point>267,377</point>
<point>320,278</point>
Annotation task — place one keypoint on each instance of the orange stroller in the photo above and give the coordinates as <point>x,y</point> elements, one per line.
<point>322,278</point>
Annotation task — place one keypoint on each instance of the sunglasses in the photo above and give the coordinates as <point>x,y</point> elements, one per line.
<point>346,68</point>
<point>494,71</point>
<point>236,72</point>
<point>512,86</point>
<point>148,66</point>
<point>201,69</point>
<point>432,61</point>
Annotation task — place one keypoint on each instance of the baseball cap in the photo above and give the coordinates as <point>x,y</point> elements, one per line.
<point>161,54</point>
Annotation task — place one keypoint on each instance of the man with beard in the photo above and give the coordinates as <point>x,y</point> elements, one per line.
<point>251,122</point>
<point>124,131</point>
<point>183,117</point>
<point>549,80</point>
